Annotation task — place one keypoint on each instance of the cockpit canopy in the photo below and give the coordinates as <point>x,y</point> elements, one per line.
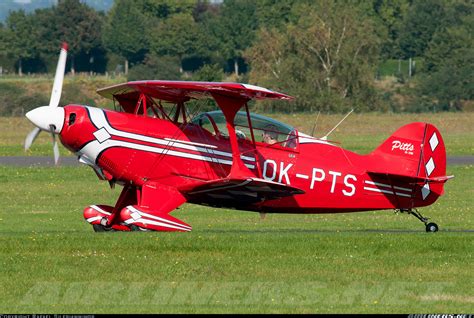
<point>265,129</point>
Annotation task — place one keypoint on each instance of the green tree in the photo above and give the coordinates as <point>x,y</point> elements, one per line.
<point>391,14</point>
<point>236,29</point>
<point>204,9</point>
<point>79,25</point>
<point>450,67</point>
<point>444,45</point>
<point>326,59</point>
<point>423,19</point>
<point>45,40</point>
<point>2,39</point>
<point>19,37</point>
<point>208,45</point>
<point>276,13</point>
<point>176,36</point>
<point>70,21</point>
<point>156,67</point>
<point>457,34</point>
<point>4,60</point>
<point>209,73</point>
<point>452,83</point>
<point>162,9</point>
<point>126,32</point>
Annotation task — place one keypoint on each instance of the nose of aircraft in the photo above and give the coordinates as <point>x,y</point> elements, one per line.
<point>45,116</point>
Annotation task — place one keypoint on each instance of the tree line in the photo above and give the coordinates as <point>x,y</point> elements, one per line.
<point>326,53</point>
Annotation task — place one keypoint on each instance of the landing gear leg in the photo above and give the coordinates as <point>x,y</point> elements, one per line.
<point>430,227</point>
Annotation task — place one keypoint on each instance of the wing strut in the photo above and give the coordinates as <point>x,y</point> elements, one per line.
<point>230,106</point>
<point>257,164</point>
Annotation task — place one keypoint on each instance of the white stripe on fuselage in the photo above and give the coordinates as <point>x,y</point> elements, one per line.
<point>191,143</point>
<point>93,149</point>
<point>386,185</point>
<point>387,192</point>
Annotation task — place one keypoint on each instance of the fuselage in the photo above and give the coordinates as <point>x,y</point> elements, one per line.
<point>127,148</point>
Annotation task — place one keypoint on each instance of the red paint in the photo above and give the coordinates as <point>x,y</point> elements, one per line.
<point>314,176</point>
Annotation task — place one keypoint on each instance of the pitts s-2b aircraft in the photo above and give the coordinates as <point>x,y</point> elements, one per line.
<point>231,158</point>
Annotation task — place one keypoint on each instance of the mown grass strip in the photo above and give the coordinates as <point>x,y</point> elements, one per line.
<point>232,262</point>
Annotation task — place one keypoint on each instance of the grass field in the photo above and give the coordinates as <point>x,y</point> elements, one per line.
<point>232,262</point>
<point>361,133</point>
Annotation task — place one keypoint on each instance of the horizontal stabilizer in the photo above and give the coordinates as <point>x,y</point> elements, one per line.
<point>410,179</point>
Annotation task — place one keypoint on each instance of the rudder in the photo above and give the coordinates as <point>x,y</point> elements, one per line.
<point>432,164</point>
<point>415,153</point>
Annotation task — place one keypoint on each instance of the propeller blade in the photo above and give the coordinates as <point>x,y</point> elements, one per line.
<point>59,77</point>
<point>55,145</point>
<point>56,152</point>
<point>50,117</point>
<point>31,137</point>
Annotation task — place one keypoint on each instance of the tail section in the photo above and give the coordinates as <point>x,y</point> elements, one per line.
<point>432,163</point>
<point>414,158</point>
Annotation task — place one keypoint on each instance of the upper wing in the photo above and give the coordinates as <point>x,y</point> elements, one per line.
<point>181,91</point>
<point>239,192</point>
<point>230,97</point>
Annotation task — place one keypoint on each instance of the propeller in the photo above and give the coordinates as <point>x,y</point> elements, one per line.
<point>55,145</point>
<point>30,138</point>
<point>50,118</point>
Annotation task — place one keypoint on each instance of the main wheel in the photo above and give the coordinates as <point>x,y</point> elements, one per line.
<point>98,228</point>
<point>134,228</point>
<point>101,228</point>
<point>431,227</point>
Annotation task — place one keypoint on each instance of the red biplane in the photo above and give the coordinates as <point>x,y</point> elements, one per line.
<point>231,158</point>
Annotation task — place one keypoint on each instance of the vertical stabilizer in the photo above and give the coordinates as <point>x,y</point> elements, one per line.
<point>414,155</point>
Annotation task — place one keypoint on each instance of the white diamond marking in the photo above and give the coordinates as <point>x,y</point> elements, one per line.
<point>425,190</point>
<point>434,141</point>
<point>135,215</point>
<point>430,166</point>
<point>101,135</point>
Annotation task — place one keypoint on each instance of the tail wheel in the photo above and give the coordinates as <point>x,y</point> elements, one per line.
<point>431,227</point>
